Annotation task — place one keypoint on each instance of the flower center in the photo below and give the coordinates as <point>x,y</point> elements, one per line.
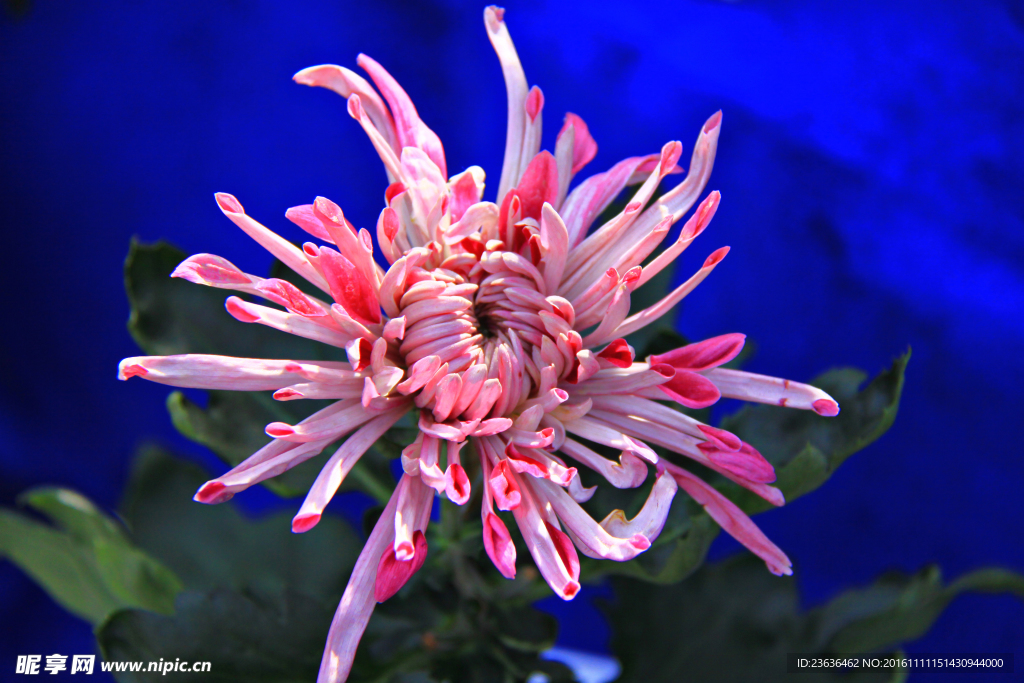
<point>479,334</point>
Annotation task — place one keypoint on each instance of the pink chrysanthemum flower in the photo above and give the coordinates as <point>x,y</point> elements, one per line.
<point>500,325</point>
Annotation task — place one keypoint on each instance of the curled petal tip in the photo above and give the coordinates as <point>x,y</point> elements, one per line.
<point>670,154</point>
<point>569,590</point>
<point>236,307</point>
<point>534,102</point>
<point>493,17</point>
<point>457,486</point>
<point>713,122</point>
<point>228,203</point>
<point>128,370</point>
<point>311,75</point>
<point>640,542</point>
<point>303,523</point>
<point>826,407</point>
<point>716,257</point>
<point>279,430</point>
<point>212,492</point>
<point>355,107</point>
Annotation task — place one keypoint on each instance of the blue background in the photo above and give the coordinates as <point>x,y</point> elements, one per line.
<point>871,166</point>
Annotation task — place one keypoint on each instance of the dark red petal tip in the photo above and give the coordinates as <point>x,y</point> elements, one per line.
<point>303,523</point>
<point>826,407</point>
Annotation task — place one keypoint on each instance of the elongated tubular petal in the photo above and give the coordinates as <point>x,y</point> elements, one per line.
<point>584,148</point>
<point>214,271</point>
<point>429,471</point>
<point>563,159</point>
<point>539,184</point>
<point>601,249</point>
<point>472,382</point>
<point>599,385</point>
<point>202,371</point>
<point>284,293</point>
<point>409,127</point>
<point>746,461</point>
<point>504,487</point>
<point>448,390</point>
<point>465,189</point>
<point>388,155</point>
<point>286,322</point>
<point>631,256</point>
<point>534,105</point>
<point>334,471</point>
<point>593,540</point>
<point>305,217</point>
<point>346,83</point>
<point>284,250</point>
<point>690,389</point>
<point>497,540</point>
<point>349,287</point>
<point>679,199</point>
<point>628,473</point>
<point>355,246</point>
<point>357,602</point>
<point>456,484</point>
<point>703,355</point>
<point>593,195</point>
<point>693,228</point>
<point>352,388</point>
<point>411,516</point>
<point>240,477</point>
<point>596,294</point>
<point>393,573</point>
<point>599,432</point>
<point>335,424</point>
<point>651,411</point>
<point>550,547</point>
<point>538,463</point>
<point>683,444</point>
<point>554,240</point>
<point>651,519</point>
<point>387,229</point>
<point>748,386</point>
<point>613,317</point>
<point>516,87</point>
<point>433,307</point>
<point>648,315</point>
<point>484,401</point>
<point>733,520</point>
<point>270,461</point>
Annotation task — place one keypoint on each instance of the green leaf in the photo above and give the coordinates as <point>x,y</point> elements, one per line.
<point>246,636</point>
<point>212,546</point>
<point>734,621</point>
<point>900,608</point>
<point>806,448</point>
<point>526,629</point>
<point>87,563</point>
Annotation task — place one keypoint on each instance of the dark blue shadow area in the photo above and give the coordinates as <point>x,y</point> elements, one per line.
<point>871,166</point>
